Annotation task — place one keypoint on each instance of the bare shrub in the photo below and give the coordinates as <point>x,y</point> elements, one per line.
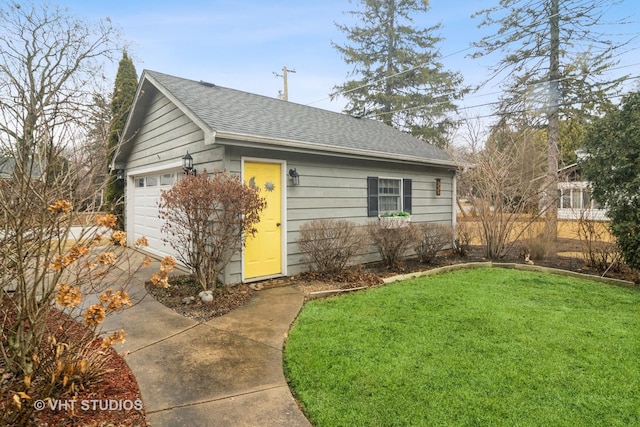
<point>598,252</point>
<point>502,185</point>
<point>70,366</point>
<point>392,241</point>
<point>537,248</point>
<point>431,239</point>
<point>464,237</point>
<point>331,244</point>
<point>536,245</point>
<point>207,219</point>
<point>56,285</point>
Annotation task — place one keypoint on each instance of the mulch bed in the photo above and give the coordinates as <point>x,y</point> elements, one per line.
<point>117,384</point>
<point>182,296</point>
<point>227,299</point>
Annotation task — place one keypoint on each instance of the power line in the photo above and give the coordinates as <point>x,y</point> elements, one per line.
<point>537,109</point>
<point>382,79</point>
<point>488,103</point>
<point>559,80</point>
<point>424,64</point>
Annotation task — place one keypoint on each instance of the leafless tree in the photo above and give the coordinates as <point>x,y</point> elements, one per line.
<point>50,68</point>
<point>504,185</point>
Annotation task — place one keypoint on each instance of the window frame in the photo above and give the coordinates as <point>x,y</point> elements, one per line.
<point>373,195</point>
<point>151,181</point>
<point>392,185</point>
<point>171,177</point>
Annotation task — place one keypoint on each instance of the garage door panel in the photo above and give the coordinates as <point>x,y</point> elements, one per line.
<point>147,213</point>
<point>146,221</point>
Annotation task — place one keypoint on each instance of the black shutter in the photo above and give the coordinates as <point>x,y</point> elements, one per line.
<point>372,196</point>
<point>406,195</point>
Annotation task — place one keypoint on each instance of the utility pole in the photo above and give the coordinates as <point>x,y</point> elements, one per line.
<point>284,95</point>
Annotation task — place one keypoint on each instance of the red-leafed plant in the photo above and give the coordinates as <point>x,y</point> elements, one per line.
<point>207,219</point>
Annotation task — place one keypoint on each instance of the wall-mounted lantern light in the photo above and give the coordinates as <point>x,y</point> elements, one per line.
<point>187,164</point>
<point>295,177</point>
<point>438,186</point>
<point>119,174</point>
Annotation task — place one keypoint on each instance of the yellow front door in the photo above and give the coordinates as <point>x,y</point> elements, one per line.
<point>263,252</point>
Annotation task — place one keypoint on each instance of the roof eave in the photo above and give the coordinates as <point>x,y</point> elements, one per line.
<point>331,149</point>
<point>127,132</point>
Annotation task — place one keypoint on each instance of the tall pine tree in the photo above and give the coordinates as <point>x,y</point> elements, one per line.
<point>555,55</point>
<point>123,93</point>
<point>397,76</point>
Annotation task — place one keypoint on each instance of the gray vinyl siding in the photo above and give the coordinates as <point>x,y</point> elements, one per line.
<point>334,187</point>
<point>165,136</point>
<point>159,133</point>
<point>338,189</point>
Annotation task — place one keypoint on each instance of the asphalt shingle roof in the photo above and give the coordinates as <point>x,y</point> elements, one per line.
<point>237,112</point>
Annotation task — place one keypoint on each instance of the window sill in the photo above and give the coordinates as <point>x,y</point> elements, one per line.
<point>395,221</point>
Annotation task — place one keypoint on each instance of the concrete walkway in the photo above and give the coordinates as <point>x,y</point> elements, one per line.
<point>225,372</point>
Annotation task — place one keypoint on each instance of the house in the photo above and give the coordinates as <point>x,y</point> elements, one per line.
<point>8,169</point>
<point>574,197</point>
<point>313,163</point>
<point>7,166</point>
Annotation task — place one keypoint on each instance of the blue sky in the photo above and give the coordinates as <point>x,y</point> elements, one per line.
<point>241,43</point>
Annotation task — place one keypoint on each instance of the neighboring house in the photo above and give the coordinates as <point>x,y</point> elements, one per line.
<point>574,197</point>
<point>349,168</point>
<point>8,167</point>
<point>89,192</point>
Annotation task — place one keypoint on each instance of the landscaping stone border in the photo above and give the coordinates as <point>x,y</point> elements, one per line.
<point>488,264</point>
<point>333,292</point>
<point>525,267</point>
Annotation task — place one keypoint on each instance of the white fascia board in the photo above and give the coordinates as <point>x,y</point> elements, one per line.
<point>176,164</point>
<point>332,149</point>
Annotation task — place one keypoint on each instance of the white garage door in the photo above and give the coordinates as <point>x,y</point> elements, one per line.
<point>147,190</point>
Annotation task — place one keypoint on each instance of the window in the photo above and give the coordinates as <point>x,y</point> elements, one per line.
<point>576,198</point>
<point>166,179</point>
<point>564,202</point>
<point>388,195</point>
<point>586,198</point>
<point>152,181</point>
<point>588,201</point>
<point>140,182</point>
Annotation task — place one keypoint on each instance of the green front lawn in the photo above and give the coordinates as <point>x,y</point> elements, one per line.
<point>473,347</point>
